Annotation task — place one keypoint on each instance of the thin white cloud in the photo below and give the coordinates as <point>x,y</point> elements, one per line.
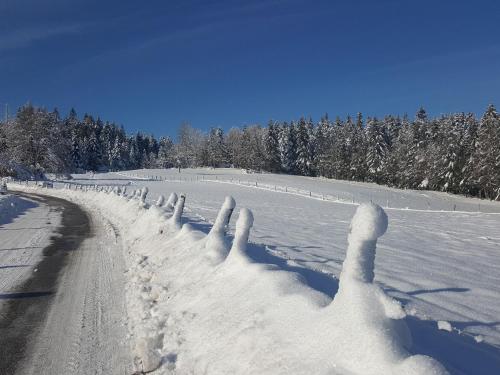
<point>25,37</point>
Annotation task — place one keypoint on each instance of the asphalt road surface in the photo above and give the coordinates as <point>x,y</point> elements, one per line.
<point>68,316</point>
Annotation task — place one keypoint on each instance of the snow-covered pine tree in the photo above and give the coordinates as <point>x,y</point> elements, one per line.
<point>287,148</point>
<point>323,144</point>
<point>57,152</point>
<point>303,163</point>
<point>72,124</point>
<point>349,147</point>
<point>468,185</point>
<point>358,168</point>
<point>420,129</point>
<point>487,171</point>
<point>403,155</point>
<point>134,157</point>
<point>312,147</point>
<point>115,160</point>
<point>337,155</point>
<point>377,149</point>
<point>252,147</point>
<point>448,155</point>
<point>271,143</point>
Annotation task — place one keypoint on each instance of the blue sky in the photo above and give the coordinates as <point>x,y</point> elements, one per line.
<point>150,65</point>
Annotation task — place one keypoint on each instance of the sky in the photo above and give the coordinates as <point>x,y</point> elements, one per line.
<point>151,65</point>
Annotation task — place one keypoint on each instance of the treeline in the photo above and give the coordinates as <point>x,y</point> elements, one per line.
<point>456,153</point>
<point>43,142</point>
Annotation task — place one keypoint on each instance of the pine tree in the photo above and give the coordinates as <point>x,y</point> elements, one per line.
<point>287,143</point>
<point>377,150</point>
<point>303,162</point>
<point>312,147</point>
<point>449,159</point>
<point>468,185</point>
<point>420,134</point>
<point>358,168</point>
<point>323,144</point>
<point>337,155</point>
<point>487,154</point>
<point>454,153</point>
<point>272,147</point>
<point>115,162</point>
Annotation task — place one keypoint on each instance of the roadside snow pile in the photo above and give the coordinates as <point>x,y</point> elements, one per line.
<point>199,303</point>
<point>444,326</point>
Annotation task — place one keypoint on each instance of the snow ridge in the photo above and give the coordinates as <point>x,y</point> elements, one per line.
<point>197,307</point>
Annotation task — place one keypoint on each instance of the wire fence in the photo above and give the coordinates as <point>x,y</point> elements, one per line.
<point>339,197</point>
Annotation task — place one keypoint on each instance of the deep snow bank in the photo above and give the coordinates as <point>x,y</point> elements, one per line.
<point>198,303</point>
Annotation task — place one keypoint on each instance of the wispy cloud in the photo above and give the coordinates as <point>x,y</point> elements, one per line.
<point>25,37</point>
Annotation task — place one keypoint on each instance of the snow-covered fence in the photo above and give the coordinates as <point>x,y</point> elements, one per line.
<point>339,198</point>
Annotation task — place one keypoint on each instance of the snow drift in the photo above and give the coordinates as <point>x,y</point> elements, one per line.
<point>199,303</point>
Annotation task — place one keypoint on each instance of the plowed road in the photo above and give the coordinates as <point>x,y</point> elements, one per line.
<point>62,308</point>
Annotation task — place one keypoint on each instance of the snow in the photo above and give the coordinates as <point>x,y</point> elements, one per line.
<point>172,200</point>
<point>217,246</point>
<point>368,224</point>
<point>160,201</point>
<point>143,193</point>
<point>368,322</point>
<point>444,325</point>
<point>19,254</point>
<point>479,338</point>
<point>243,311</point>
<point>83,329</point>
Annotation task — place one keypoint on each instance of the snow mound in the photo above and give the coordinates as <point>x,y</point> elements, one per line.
<point>217,246</point>
<point>243,226</point>
<point>198,303</point>
<point>369,222</point>
<point>370,324</point>
<point>172,200</point>
<point>443,325</point>
<point>160,201</point>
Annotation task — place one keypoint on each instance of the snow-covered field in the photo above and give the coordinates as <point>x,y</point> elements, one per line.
<point>439,258</point>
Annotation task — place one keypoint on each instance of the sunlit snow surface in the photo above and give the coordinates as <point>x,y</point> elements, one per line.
<point>440,265</point>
